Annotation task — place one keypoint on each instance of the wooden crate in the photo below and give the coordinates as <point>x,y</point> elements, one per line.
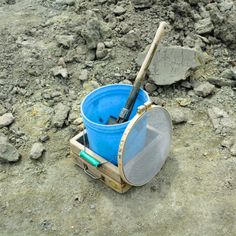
<point>108,173</point>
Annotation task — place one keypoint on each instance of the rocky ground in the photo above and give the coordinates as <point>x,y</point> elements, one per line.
<point>53,52</point>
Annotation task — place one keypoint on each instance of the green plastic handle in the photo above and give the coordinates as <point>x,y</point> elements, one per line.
<point>89,159</point>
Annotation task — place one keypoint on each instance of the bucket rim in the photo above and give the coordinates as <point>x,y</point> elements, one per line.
<point>105,86</point>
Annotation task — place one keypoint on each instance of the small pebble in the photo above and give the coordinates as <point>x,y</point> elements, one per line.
<point>228,74</point>
<point>93,206</point>
<point>142,3</point>
<point>90,85</point>
<point>158,101</point>
<point>61,62</point>
<point>44,138</point>
<point>55,94</point>
<point>131,39</point>
<point>8,153</point>
<point>227,142</point>
<point>83,75</point>
<point>183,102</point>
<point>101,51</point>
<point>61,112</point>
<point>60,71</point>
<point>65,2</point>
<point>126,81</point>
<point>36,151</point>
<point>124,28</point>
<point>77,121</point>
<point>119,10</point>
<point>178,116</point>
<point>109,44</point>
<point>233,149</point>
<point>186,84</point>
<point>3,138</point>
<point>6,119</point>
<point>2,110</point>
<point>153,188</point>
<point>150,87</point>
<point>65,40</point>
<point>205,89</point>
<point>204,26</point>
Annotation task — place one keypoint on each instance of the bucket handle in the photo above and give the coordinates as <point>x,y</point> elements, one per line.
<point>89,173</point>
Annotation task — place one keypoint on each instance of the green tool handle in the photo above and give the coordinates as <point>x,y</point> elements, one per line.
<point>89,159</point>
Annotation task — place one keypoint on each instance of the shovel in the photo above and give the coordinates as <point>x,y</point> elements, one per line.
<point>127,109</point>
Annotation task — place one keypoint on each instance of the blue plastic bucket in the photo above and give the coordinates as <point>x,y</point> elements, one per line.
<point>97,107</point>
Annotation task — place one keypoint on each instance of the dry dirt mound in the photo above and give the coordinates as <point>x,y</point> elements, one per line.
<point>53,53</point>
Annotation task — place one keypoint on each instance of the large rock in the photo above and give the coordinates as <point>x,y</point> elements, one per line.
<point>8,153</point>
<point>61,113</point>
<point>171,64</point>
<point>6,119</point>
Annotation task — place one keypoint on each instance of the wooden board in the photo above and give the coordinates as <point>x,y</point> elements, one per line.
<point>107,172</point>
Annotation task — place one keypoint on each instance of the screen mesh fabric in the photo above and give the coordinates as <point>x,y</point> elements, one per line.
<point>147,146</point>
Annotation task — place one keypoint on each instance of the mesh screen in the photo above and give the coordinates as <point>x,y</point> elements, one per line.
<point>147,146</point>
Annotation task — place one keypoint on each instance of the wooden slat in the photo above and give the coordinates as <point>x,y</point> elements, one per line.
<point>107,168</point>
<point>107,180</point>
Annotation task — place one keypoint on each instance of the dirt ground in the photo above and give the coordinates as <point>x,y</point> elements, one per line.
<point>53,53</point>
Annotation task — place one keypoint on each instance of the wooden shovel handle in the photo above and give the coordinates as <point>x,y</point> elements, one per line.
<point>143,70</point>
<point>127,109</point>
